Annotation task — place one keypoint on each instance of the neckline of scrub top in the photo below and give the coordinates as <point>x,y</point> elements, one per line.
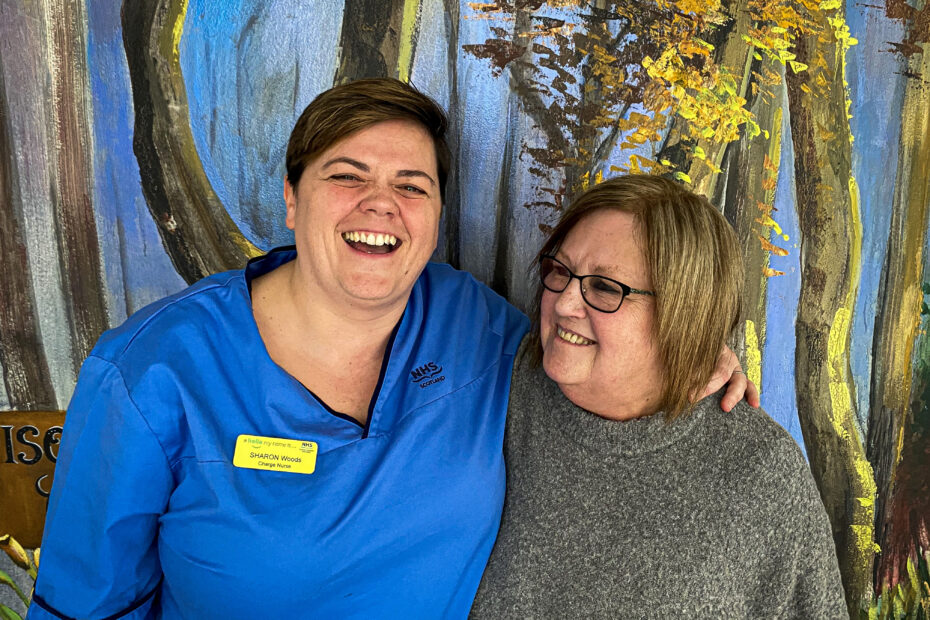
<point>261,265</point>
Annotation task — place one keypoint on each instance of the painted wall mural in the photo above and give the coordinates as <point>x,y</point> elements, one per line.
<point>142,147</point>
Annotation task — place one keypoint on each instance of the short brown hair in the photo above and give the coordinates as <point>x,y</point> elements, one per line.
<point>342,110</point>
<point>694,261</point>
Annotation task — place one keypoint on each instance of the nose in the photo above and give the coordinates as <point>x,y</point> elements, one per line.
<point>380,200</point>
<point>570,301</point>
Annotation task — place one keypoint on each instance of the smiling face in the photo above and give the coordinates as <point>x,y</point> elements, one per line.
<point>605,363</point>
<point>365,214</point>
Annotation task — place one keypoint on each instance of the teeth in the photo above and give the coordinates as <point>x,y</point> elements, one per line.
<point>370,238</point>
<point>572,338</point>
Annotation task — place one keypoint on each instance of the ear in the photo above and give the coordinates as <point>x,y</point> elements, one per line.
<point>290,201</point>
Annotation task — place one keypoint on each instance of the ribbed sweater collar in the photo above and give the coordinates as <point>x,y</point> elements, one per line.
<point>622,439</point>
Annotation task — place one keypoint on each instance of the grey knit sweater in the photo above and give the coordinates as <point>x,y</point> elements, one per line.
<point>713,516</point>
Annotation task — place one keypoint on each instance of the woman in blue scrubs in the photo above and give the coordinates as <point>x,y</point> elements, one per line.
<point>316,435</point>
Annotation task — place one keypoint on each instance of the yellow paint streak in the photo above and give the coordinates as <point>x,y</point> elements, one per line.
<point>842,413</point>
<point>190,152</point>
<point>246,246</point>
<point>753,355</point>
<point>408,27</point>
<point>841,416</point>
<point>177,30</point>
<point>855,249</point>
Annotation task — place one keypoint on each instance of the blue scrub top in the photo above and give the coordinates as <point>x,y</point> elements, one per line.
<point>149,518</point>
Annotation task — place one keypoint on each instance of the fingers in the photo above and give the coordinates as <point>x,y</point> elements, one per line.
<point>752,395</point>
<point>717,381</point>
<point>736,388</point>
<point>729,372</point>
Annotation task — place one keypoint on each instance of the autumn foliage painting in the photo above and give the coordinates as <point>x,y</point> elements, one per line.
<point>142,147</point>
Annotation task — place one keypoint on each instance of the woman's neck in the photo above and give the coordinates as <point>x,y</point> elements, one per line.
<point>335,351</point>
<point>626,404</point>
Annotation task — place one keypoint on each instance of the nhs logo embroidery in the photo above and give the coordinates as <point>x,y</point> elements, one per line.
<point>427,374</point>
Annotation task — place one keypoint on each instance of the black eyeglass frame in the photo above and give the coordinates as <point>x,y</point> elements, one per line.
<point>627,290</point>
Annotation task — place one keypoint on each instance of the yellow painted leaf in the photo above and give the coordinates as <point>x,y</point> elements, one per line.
<point>681,176</point>
<point>699,152</point>
<point>769,272</point>
<point>806,88</point>
<point>796,66</point>
<point>15,550</point>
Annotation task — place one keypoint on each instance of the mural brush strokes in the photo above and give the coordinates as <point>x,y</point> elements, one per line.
<point>827,201</point>
<point>197,231</point>
<point>72,178</point>
<point>899,417</point>
<point>26,381</point>
<point>370,43</point>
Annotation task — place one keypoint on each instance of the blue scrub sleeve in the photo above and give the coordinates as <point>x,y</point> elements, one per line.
<point>112,483</point>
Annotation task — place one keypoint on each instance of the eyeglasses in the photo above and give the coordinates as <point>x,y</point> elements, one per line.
<point>602,294</point>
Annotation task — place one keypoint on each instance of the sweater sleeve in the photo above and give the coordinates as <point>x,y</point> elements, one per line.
<point>112,483</point>
<point>817,584</point>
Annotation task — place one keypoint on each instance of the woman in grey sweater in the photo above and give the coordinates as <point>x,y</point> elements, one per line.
<point>625,499</point>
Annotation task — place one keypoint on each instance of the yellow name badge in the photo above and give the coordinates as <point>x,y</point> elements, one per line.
<point>271,453</point>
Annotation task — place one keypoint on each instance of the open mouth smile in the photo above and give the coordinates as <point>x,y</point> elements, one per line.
<point>371,242</point>
<point>572,337</point>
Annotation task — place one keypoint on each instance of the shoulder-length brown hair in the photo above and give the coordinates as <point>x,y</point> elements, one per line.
<point>342,110</point>
<point>694,261</point>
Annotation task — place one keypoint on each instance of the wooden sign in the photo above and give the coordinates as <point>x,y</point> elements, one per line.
<point>28,452</point>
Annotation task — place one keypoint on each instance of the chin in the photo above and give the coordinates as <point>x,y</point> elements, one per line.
<point>370,288</point>
<point>563,372</point>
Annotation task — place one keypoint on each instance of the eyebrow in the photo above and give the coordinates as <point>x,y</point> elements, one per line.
<point>416,173</point>
<point>347,160</point>
<point>365,168</point>
<point>597,270</point>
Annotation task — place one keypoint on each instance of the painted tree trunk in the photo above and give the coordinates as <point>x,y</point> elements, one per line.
<point>830,249</point>
<point>26,379</point>
<point>450,250</point>
<point>197,231</point>
<point>531,104</point>
<point>70,149</point>
<point>899,419</point>
<point>371,40</point>
<point>748,195</point>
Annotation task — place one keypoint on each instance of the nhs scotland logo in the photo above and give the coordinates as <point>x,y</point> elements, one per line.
<point>427,374</point>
